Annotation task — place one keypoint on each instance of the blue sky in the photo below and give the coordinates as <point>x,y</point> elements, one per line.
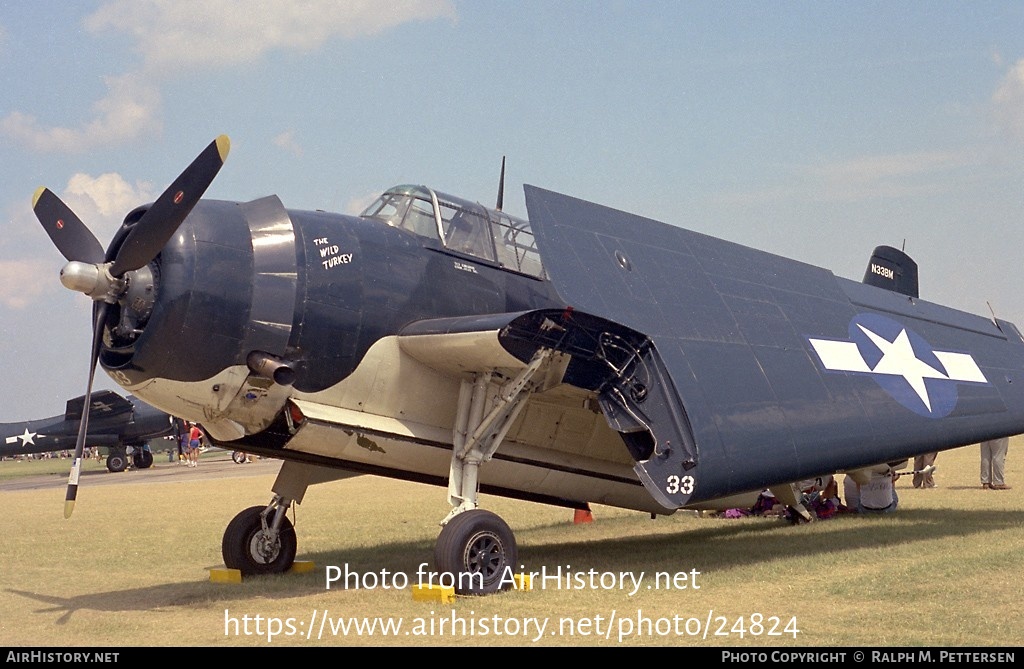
<point>816,130</point>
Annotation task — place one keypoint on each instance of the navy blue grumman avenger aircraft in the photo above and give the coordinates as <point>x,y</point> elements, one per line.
<point>117,424</point>
<point>586,356</point>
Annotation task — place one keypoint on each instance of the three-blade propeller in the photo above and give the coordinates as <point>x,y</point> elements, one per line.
<point>144,242</point>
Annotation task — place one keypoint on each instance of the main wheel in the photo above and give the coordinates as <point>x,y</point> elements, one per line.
<point>238,457</point>
<point>142,459</point>
<point>117,461</point>
<point>476,548</point>
<point>249,549</point>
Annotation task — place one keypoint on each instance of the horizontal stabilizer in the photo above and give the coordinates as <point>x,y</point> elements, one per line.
<point>104,403</point>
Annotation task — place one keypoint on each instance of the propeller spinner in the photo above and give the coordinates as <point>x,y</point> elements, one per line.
<point>87,270</point>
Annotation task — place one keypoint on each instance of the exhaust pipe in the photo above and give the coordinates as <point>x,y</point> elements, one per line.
<point>270,367</point>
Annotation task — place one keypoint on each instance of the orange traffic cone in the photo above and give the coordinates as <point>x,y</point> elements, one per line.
<point>582,516</point>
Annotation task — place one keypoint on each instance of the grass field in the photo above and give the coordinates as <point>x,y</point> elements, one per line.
<point>57,466</point>
<point>130,569</point>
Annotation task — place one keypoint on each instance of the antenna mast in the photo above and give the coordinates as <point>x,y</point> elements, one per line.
<point>501,185</point>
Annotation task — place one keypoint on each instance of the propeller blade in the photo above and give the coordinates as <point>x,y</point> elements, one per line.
<point>100,316</point>
<point>67,232</point>
<point>158,224</point>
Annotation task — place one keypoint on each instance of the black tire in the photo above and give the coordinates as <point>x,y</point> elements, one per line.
<point>238,457</point>
<point>476,549</point>
<point>241,546</point>
<point>117,461</point>
<point>142,459</point>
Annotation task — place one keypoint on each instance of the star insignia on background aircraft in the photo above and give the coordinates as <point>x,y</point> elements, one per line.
<point>900,360</point>
<point>26,438</point>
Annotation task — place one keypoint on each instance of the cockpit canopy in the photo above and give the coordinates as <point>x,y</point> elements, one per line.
<point>462,226</point>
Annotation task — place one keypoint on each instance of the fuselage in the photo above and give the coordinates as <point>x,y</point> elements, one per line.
<point>308,289</point>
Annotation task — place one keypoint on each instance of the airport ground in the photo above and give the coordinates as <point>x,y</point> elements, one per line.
<point>132,568</point>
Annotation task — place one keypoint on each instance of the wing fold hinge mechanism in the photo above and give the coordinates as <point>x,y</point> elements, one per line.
<point>634,389</point>
<point>640,402</point>
<point>487,407</point>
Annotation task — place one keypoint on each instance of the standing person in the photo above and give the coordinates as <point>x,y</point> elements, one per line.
<point>183,430</point>
<point>993,460</point>
<point>195,440</point>
<point>920,462</point>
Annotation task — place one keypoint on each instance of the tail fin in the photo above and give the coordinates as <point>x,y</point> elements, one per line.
<point>893,270</point>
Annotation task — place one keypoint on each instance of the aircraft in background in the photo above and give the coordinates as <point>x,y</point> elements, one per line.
<point>117,425</point>
<point>587,355</point>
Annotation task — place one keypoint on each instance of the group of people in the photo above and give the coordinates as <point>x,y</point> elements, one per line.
<point>993,465</point>
<point>874,490</point>
<point>190,441</point>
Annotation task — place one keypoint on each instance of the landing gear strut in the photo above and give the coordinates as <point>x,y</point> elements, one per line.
<point>260,540</point>
<point>476,547</point>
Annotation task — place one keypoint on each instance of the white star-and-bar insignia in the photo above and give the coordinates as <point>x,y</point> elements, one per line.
<point>26,438</point>
<point>898,359</point>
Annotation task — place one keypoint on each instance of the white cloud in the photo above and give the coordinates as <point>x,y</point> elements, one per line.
<point>286,141</point>
<point>915,174</point>
<point>1008,102</point>
<point>880,168</point>
<point>172,35</point>
<point>18,285</point>
<point>129,109</point>
<point>184,33</point>
<point>102,202</point>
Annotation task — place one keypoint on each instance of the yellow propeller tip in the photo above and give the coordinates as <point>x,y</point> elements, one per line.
<point>38,194</point>
<point>69,508</point>
<point>223,146</point>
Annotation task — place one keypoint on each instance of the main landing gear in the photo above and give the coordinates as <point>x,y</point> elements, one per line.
<point>117,458</point>
<point>142,458</point>
<point>260,540</point>
<point>476,550</point>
